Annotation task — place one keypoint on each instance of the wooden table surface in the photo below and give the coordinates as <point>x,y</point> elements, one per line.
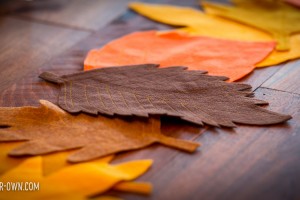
<point>249,162</point>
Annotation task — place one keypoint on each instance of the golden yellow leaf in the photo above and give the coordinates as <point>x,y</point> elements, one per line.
<point>57,161</point>
<point>73,182</point>
<point>274,17</point>
<point>7,162</point>
<point>54,162</point>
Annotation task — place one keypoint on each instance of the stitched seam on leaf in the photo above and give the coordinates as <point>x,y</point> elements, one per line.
<point>65,96</point>
<point>108,91</point>
<point>124,99</point>
<point>71,85</point>
<point>138,101</point>
<point>100,98</point>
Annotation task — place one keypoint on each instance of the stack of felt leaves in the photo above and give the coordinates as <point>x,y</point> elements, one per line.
<point>115,104</point>
<point>56,177</point>
<point>248,20</point>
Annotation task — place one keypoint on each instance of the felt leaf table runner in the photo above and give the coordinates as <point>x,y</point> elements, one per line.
<point>219,57</point>
<point>198,23</point>
<point>73,182</point>
<point>275,17</point>
<point>146,89</point>
<point>49,129</point>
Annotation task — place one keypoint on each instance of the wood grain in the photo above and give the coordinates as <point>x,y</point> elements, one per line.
<point>259,76</point>
<point>25,46</point>
<point>249,162</point>
<point>30,89</point>
<point>286,79</point>
<point>86,15</point>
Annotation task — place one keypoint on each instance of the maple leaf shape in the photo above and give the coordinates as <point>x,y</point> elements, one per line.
<point>50,129</point>
<point>73,182</point>
<point>274,17</point>
<point>197,23</point>
<point>233,59</point>
<point>146,89</point>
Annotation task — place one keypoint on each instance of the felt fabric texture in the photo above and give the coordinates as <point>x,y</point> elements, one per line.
<point>7,162</point>
<point>275,17</point>
<point>73,182</point>
<point>229,58</point>
<point>49,129</point>
<point>146,89</point>
<point>54,162</point>
<point>143,188</point>
<point>197,23</point>
<point>105,198</point>
<point>57,161</point>
<point>294,2</point>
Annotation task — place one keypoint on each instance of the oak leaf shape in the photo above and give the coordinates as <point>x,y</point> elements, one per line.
<point>233,59</point>
<point>275,17</point>
<point>146,89</point>
<point>197,23</point>
<point>74,182</point>
<point>50,129</point>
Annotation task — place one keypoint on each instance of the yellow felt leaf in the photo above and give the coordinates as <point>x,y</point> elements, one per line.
<point>275,17</point>
<point>57,161</point>
<point>7,162</point>
<point>73,182</point>
<point>196,22</point>
<point>134,187</point>
<point>106,198</point>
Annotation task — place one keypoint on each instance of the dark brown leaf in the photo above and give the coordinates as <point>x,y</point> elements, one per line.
<point>146,89</point>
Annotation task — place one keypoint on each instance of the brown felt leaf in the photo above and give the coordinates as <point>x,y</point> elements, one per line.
<point>146,89</point>
<point>50,129</point>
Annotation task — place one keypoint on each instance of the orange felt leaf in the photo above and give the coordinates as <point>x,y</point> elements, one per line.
<point>233,59</point>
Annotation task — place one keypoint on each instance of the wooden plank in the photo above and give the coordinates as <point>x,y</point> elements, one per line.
<point>25,46</point>
<point>87,15</point>
<point>30,89</point>
<point>286,79</point>
<point>250,162</point>
<point>7,6</point>
<point>260,75</point>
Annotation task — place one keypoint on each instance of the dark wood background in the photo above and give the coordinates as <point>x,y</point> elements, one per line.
<point>249,162</point>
